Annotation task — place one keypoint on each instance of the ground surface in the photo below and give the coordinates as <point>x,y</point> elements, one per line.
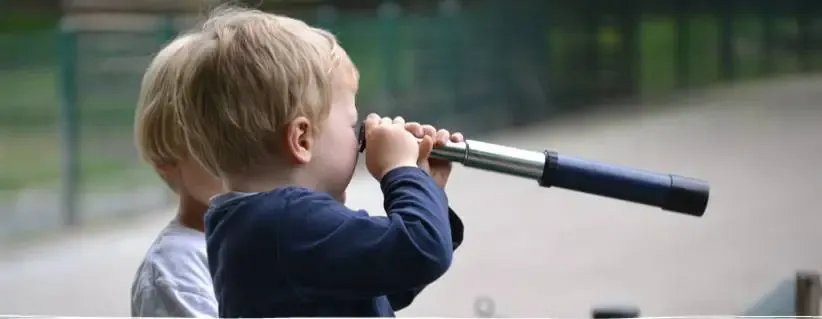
<point>555,253</point>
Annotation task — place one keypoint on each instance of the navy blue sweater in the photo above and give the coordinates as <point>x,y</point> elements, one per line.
<point>292,252</point>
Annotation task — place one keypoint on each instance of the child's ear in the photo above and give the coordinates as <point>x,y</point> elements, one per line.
<point>299,139</point>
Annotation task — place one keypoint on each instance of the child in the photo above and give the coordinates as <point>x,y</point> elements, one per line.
<point>173,279</point>
<point>267,104</point>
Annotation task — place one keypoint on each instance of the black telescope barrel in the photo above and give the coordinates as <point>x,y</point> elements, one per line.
<point>670,192</point>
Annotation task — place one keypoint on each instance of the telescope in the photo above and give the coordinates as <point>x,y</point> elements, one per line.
<point>669,192</point>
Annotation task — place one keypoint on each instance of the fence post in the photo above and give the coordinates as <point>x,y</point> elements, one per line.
<point>69,126</point>
<point>388,14</point>
<point>727,69</point>
<point>808,294</point>
<point>630,25</point>
<point>767,17</point>
<point>592,23</point>
<point>166,29</point>
<point>682,36</point>
<point>448,14</point>
<point>804,23</point>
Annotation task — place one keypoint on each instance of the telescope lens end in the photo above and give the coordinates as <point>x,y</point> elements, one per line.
<point>687,196</point>
<point>361,137</point>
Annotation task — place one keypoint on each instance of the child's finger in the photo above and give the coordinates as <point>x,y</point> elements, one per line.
<point>371,121</point>
<point>442,137</point>
<point>415,128</point>
<point>426,146</point>
<point>457,137</point>
<point>386,121</point>
<point>429,130</point>
<point>399,120</point>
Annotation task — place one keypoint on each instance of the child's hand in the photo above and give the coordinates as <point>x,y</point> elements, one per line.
<point>390,145</point>
<point>439,169</point>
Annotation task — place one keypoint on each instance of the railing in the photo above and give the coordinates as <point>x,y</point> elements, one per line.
<point>69,96</point>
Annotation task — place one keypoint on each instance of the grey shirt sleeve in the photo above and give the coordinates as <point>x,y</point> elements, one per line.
<point>173,279</point>
<point>164,301</point>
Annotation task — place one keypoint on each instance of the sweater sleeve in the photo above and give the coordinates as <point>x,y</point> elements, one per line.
<point>328,250</point>
<point>165,301</point>
<point>401,300</point>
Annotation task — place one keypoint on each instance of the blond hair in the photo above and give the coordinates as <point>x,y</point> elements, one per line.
<point>158,134</point>
<point>250,74</point>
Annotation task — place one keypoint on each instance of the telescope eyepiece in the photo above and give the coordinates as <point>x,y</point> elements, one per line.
<point>360,137</point>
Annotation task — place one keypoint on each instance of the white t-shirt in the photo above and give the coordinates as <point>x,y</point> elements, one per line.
<point>173,280</point>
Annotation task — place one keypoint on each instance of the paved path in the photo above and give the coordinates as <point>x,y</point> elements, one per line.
<point>556,253</point>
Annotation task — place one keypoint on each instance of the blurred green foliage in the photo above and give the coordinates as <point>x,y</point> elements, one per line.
<point>468,68</point>
<point>16,22</point>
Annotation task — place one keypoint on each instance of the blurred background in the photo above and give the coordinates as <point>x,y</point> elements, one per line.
<point>724,90</point>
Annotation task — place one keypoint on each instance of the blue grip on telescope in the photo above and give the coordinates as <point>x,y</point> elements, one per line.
<point>669,192</point>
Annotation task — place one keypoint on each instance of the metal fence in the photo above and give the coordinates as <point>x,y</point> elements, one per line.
<point>68,97</point>
<point>66,129</point>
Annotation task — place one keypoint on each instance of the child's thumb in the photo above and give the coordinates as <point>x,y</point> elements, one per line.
<point>426,146</point>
